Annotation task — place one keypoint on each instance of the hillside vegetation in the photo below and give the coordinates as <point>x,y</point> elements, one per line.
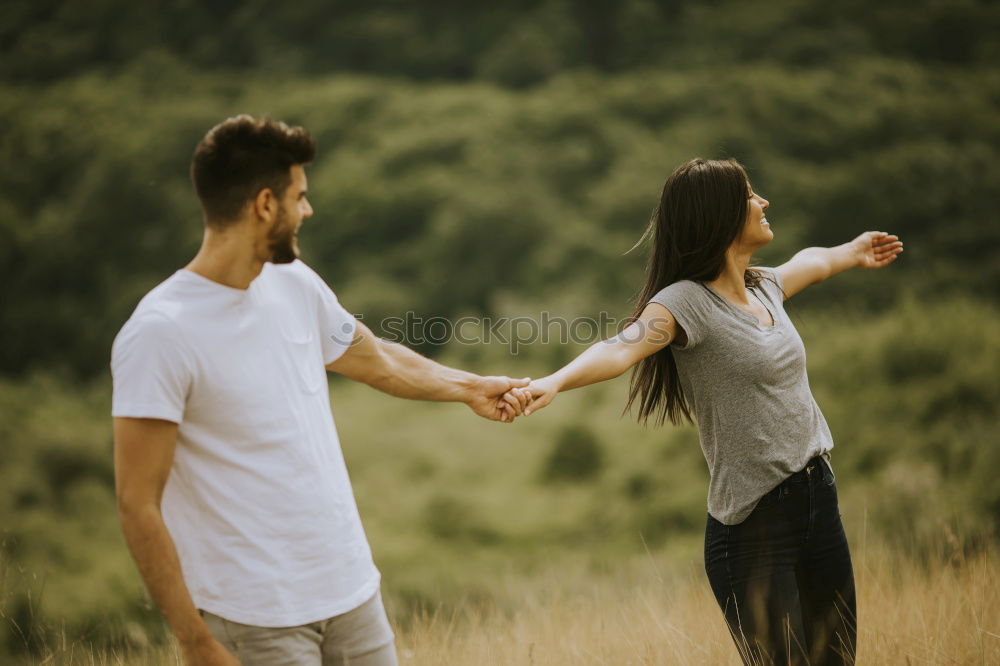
<point>500,160</point>
<point>447,200</point>
<point>457,508</point>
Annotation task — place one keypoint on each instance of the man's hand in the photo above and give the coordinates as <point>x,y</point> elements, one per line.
<point>208,652</point>
<point>875,249</point>
<point>540,393</point>
<point>498,398</point>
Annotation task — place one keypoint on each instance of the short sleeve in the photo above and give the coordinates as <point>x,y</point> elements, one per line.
<point>772,283</point>
<point>336,325</point>
<point>151,371</point>
<point>686,302</point>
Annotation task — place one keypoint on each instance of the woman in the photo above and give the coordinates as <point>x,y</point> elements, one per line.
<point>712,341</point>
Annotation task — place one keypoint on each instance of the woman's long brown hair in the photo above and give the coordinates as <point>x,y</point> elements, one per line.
<point>702,210</point>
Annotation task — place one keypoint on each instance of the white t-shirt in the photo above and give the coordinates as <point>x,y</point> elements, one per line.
<point>258,500</point>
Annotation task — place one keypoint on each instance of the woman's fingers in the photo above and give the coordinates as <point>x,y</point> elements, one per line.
<point>538,403</point>
<point>516,400</point>
<point>887,258</point>
<point>890,248</point>
<point>883,248</point>
<point>513,402</point>
<point>880,237</point>
<point>512,399</point>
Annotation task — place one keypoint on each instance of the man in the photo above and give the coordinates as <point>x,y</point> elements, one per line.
<point>232,489</point>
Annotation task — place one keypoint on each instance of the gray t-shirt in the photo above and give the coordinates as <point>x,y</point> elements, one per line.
<point>747,387</point>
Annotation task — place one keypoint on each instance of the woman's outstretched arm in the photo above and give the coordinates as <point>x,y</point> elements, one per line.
<point>872,249</point>
<point>652,331</point>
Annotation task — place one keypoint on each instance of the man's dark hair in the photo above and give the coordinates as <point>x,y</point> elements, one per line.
<point>241,156</point>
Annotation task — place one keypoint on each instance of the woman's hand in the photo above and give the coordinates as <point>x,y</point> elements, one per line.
<point>541,392</point>
<point>875,249</point>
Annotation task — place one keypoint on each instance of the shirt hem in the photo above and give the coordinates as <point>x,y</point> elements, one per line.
<point>345,605</point>
<point>140,411</point>
<point>737,517</point>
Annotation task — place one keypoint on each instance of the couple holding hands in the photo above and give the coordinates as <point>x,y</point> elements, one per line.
<point>232,490</point>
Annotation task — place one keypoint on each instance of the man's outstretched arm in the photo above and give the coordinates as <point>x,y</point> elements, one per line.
<point>399,371</point>
<point>144,452</point>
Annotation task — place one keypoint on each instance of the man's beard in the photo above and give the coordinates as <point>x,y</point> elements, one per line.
<point>281,241</point>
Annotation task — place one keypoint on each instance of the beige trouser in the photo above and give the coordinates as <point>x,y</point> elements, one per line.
<point>361,637</point>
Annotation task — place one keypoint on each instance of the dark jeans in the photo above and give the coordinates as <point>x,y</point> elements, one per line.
<point>783,577</point>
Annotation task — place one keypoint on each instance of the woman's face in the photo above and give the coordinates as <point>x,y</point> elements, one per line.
<point>756,232</point>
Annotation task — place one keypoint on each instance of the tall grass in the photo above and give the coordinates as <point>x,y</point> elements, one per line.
<point>915,607</point>
<point>490,558</point>
<point>911,611</point>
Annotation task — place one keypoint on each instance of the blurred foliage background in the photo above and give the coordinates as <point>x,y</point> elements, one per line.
<point>499,160</point>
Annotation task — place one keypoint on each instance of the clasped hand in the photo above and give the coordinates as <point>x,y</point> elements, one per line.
<point>504,399</point>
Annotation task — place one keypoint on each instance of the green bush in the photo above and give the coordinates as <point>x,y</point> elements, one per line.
<point>576,455</point>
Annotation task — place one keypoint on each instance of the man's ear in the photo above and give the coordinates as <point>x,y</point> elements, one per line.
<point>265,206</point>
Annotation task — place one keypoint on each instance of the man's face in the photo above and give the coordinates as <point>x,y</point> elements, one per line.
<point>293,208</point>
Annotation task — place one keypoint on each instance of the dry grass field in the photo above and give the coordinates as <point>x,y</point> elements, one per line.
<point>943,612</point>
<point>940,608</point>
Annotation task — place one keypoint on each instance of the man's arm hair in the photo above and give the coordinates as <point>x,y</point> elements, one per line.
<point>402,372</point>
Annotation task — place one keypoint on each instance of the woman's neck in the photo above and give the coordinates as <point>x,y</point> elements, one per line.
<point>730,282</point>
